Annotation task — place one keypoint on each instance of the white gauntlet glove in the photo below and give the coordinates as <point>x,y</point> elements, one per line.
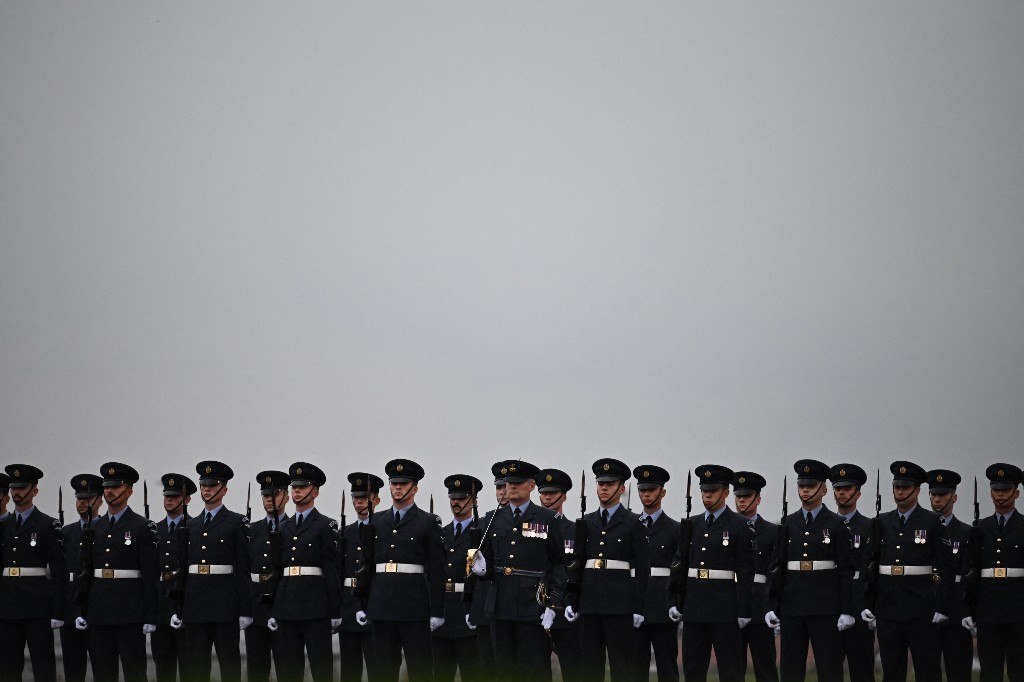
<point>638,620</point>
<point>176,622</point>
<point>674,615</point>
<point>80,623</point>
<point>547,618</point>
<point>56,624</point>
<point>272,624</point>
<point>479,564</point>
<point>969,624</point>
<point>435,623</point>
<point>244,622</point>
<point>335,623</point>
<point>939,618</point>
<point>771,620</point>
<point>469,623</point>
<point>148,629</point>
<point>570,614</point>
<point>361,618</point>
<point>743,622</point>
<point>845,622</point>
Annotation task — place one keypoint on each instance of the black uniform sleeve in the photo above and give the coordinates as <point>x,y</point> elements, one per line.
<point>744,574</point>
<point>331,563</point>
<point>149,565</point>
<point>435,566</point>
<point>243,583</point>
<point>846,564</point>
<point>641,549</point>
<point>57,562</point>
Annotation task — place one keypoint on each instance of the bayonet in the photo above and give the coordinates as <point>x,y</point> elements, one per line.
<point>689,497</point>
<point>60,505</point>
<point>878,492</point>
<point>977,509</point>
<point>785,504</point>
<point>629,495</point>
<point>583,494</point>
<point>145,498</point>
<point>431,503</point>
<point>248,503</point>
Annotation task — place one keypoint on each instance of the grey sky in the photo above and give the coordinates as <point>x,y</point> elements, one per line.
<point>667,232</point>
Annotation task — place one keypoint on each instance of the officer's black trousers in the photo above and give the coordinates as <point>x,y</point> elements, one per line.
<point>168,647</point>
<point>110,643</point>
<point>74,649</point>
<point>37,634</point>
<point>920,637</point>
<point>700,638</point>
<point>451,653</point>
<point>760,639</point>
<point>821,633</point>
<point>569,647</point>
<point>522,650</point>
<point>661,637</point>
<point>261,647</point>
<point>613,634</point>
<point>999,645</point>
<point>859,648</point>
<point>485,647</point>
<point>302,639</point>
<point>355,647</point>
<point>393,637</point>
<point>201,638</point>
<point>957,651</point>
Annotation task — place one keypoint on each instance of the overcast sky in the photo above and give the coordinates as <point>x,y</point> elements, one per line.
<point>667,232</point>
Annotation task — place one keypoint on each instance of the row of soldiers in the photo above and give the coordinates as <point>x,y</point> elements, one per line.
<point>492,597</point>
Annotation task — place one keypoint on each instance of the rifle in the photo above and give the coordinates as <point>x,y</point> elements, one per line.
<point>574,571</point>
<point>977,510</point>
<point>431,503</point>
<point>248,506</point>
<point>60,505</point>
<point>677,572</point>
<point>629,495</point>
<point>878,492</point>
<point>341,533</point>
<point>145,498</point>
<point>779,554</point>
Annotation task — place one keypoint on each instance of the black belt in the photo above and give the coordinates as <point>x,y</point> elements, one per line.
<point>508,570</point>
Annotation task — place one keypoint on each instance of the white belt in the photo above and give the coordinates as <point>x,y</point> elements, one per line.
<point>810,565</point>
<point>260,577</point>
<point>856,575</point>
<point>959,578</point>
<point>294,571</point>
<point>349,582</point>
<point>711,574</point>
<point>760,578</point>
<point>395,567</point>
<point>211,569</point>
<point>114,573</point>
<point>660,572</point>
<point>454,587</point>
<point>998,572</point>
<point>607,564</point>
<point>14,572</point>
<point>904,570</point>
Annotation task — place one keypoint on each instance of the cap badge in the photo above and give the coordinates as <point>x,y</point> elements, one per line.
<point>647,474</point>
<point>742,479</point>
<point>170,481</point>
<point>16,473</point>
<point>842,472</point>
<point>83,483</point>
<point>267,479</point>
<point>512,468</point>
<point>938,479</point>
<point>807,469</point>
<point>399,467</point>
<point>1001,473</point>
<point>359,481</point>
<point>607,466</point>
<point>903,470</point>
<point>549,478</point>
<point>110,471</point>
<point>208,469</point>
<point>458,483</point>
<point>299,471</point>
<point>707,473</point>
<point>504,471</point>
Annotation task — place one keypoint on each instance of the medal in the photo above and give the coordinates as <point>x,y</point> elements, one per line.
<point>127,538</point>
<point>32,542</point>
<point>825,537</point>
<point>856,541</point>
<point>725,538</point>
<point>956,546</point>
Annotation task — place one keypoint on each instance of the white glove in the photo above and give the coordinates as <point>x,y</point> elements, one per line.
<point>674,615</point>
<point>361,618</point>
<point>570,614</point>
<point>771,620</point>
<point>969,624</point>
<point>244,622</point>
<point>479,564</point>
<point>867,616</point>
<point>148,629</point>
<point>638,620</point>
<point>743,622</point>
<point>547,618</point>
<point>435,623</point>
<point>939,618</point>
<point>272,624</point>
<point>80,623</point>
<point>56,624</point>
<point>176,622</point>
<point>335,623</point>
<point>776,630</point>
<point>469,623</point>
<point>846,622</point>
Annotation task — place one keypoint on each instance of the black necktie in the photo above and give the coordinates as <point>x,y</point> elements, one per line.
<point>206,521</point>
<point>1002,523</point>
<point>709,518</point>
<point>17,521</point>
<point>458,529</point>
<point>604,518</point>
<point>648,522</point>
<point>903,520</point>
<point>516,513</point>
<point>111,519</point>
<point>398,517</point>
<point>810,518</point>
<point>298,521</point>
<point>170,527</point>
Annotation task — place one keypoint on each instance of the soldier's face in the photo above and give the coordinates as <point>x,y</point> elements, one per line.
<point>846,495</point>
<point>747,503</point>
<point>714,499</point>
<point>23,496</point>
<point>499,493</point>
<point>942,503</point>
<point>905,493</point>
<point>402,490</point>
<point>173,504</point>
<point>460,506</point>
<point>304,494</point>
<point>279,498</point>
<point>1004,500</point>
<point>82,505</point>
<point>811,494</point>
<point>651,498</point>
<point>362,504</point>
<point>610,491</point>
<point>212,494</point>
<point>517,493</point>
<point>552,500</point>
<point>117,494</point>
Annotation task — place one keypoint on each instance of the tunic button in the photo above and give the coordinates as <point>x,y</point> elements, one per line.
<point>514,542</point>
<point>601,543</point>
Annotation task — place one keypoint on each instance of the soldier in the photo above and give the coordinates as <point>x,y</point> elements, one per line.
<point>121,606</point>
<point>859,640</point>
<point>407,590</point>
<point>355,636</point>
<point>74,643</point>
<point>717,560</point>
<point>5,485</point>
<point>812,585</point>
<point>658,631</point>
<point>955,643</point>
<point>525,556</point>
<point>454,642</point>
<point>262,645</point>
<point>909,546</point>
<point>479,587</point>
<point>217,600</point>
<point>166,643</point>
<point>996,584</point>
<point>616,569</point>
<point>553,484</point>
<point>757,636</point>
<point>33,586</point>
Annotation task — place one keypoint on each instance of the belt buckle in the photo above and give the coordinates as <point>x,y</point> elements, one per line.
<point>264,577</point>
<point>806,565</point>
<point>508,570</point>
<point>294,570</point>
<point>391,567</point>
<point>599,563</point>
<point>355,582</point>
<point>449,586</point>
<point>703,573</point>
<point>107,573</point>
<point>999,572</point>
<point>14,572</point>
<point>204,569</point>
<point>897,570</point>
<point>167,576</point>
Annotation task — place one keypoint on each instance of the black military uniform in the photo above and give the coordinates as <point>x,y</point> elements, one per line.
<point>454,643</point>
<point>74,643</point>
<point>859,640</point>
<point>912,565</point>
<point>955,642</point>
<point>525,556</point>
<point>355,639</point>
<point>613,589</point>
<point>261,644</point>
<point>217,583</point>
<point>658,632</point>
<point>123,586</point>
<point>716,557</point>
<point>758,637</point>
<point>33,585</point>
<point>478,589</point>
<point>566,637</point>
<point>407,588</point>
<point>166,643</point>
<point>996,584</point>
<point>812,584</point>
